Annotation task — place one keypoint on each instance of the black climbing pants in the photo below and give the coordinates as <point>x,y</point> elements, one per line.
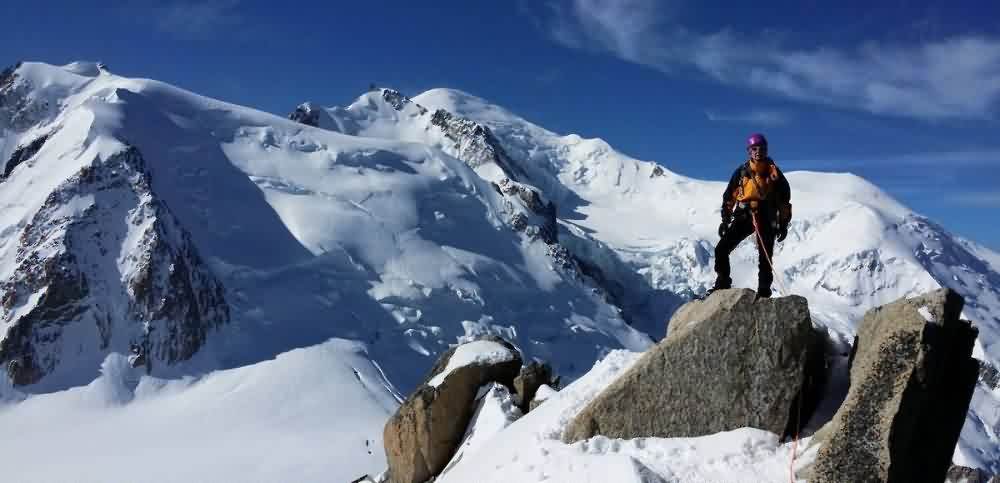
<point>741,228</point>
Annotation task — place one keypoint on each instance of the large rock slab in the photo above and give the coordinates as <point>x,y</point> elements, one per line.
<point>912,377</point>
<point>727,362</point>
<point>422,436</point>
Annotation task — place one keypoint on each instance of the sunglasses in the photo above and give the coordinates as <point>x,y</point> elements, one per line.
<point>757,147</point>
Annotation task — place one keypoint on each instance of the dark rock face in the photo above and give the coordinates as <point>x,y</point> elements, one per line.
<point>7,76</point>
<point>963,474</point>
<point>545,226</point>
<point>475,144</point>
<point>422,436</point>
<point>19,109</point>
<point>912,377</point>
<point>526,384</point>
<point>989,375</point>
<point>398,101</point>
<point>22,154</point>
<point>166,298</point>
<point>306,114</point>
<point>726,362</point>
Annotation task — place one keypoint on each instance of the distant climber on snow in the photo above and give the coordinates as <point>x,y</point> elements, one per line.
<point>756,202</point>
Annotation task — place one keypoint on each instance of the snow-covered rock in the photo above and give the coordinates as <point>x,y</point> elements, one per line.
<point>495,410</point>
<point>533,376</point>
<point>531,449</point>
<point>94,261</point>
<point>431,424</point>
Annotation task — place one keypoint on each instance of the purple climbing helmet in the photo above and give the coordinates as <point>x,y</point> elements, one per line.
<point>756,139</point>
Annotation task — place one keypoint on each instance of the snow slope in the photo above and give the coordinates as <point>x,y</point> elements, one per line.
<point>403,225</point>
<point>311,414</point>
<point>309,234</point>
<point>316,234</point>
<point>530,449</point>
<point>651,232</point>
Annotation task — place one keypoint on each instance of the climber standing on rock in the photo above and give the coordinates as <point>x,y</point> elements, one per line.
<point>756,202</point>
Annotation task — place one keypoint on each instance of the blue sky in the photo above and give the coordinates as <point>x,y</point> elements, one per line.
<point>903,93</point>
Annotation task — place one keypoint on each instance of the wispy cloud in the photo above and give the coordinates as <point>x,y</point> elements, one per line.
<point>754,116</point>
<point>189,19</point>
<point>957,77</point>
<point>976,198</point>
<point>953,159</point>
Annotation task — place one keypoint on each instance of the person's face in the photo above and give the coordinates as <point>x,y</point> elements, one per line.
<point>757,152</point>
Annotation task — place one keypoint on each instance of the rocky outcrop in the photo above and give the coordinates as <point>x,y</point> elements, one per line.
<point>474,144</point>
<point>526,384</point>
<point>19,108</point>
<point>105,219</point>
<point>22,154</point>
<point>422,435</point>
<point>542,394</point>
<point>537,218</point>
<point>307,114</point>
<point>963,474</point>
<point>727,362</point>
<point>399,102</point>
<point>989,375</point>
<point>912,377</point>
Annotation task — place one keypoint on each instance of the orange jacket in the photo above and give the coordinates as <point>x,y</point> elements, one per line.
<point>760,187</point>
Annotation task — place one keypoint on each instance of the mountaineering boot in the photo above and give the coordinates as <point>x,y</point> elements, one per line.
<point>712,290</point>
<point>763,293</point>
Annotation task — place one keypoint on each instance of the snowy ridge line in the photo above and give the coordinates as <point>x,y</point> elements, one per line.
<point>384,228</point>
<point>390,210</point>
<point>606,201</point>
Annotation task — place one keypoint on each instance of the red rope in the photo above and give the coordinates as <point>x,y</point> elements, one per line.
<point>798,412</point>
<point>767,256</point>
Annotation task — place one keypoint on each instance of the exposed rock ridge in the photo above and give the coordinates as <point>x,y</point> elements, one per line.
<point>423,434</point>
<point>106,219</point>
<point>306,113</point>
<point>19,109</point>
<point>912,377</point>
<point>475,144</point>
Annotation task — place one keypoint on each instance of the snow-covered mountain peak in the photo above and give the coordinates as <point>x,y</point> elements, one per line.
<point>467,105</point>
<point>88,69</point>
<point>845,186</point>
<point>294,234</point>
<point>403,225</point>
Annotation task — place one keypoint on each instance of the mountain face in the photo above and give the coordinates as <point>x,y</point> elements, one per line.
<point>200,235</point>
<point>98,263</point>
<point>647,234</point>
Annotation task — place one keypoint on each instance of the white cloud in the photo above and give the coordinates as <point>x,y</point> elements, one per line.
<point>948,159</point>
<point>754,116</point>
<point>957,77</point>
<point>189,19</point>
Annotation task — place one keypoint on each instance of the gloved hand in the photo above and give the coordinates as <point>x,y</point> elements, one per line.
<point>782,233</point>
<point>726,220</point>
